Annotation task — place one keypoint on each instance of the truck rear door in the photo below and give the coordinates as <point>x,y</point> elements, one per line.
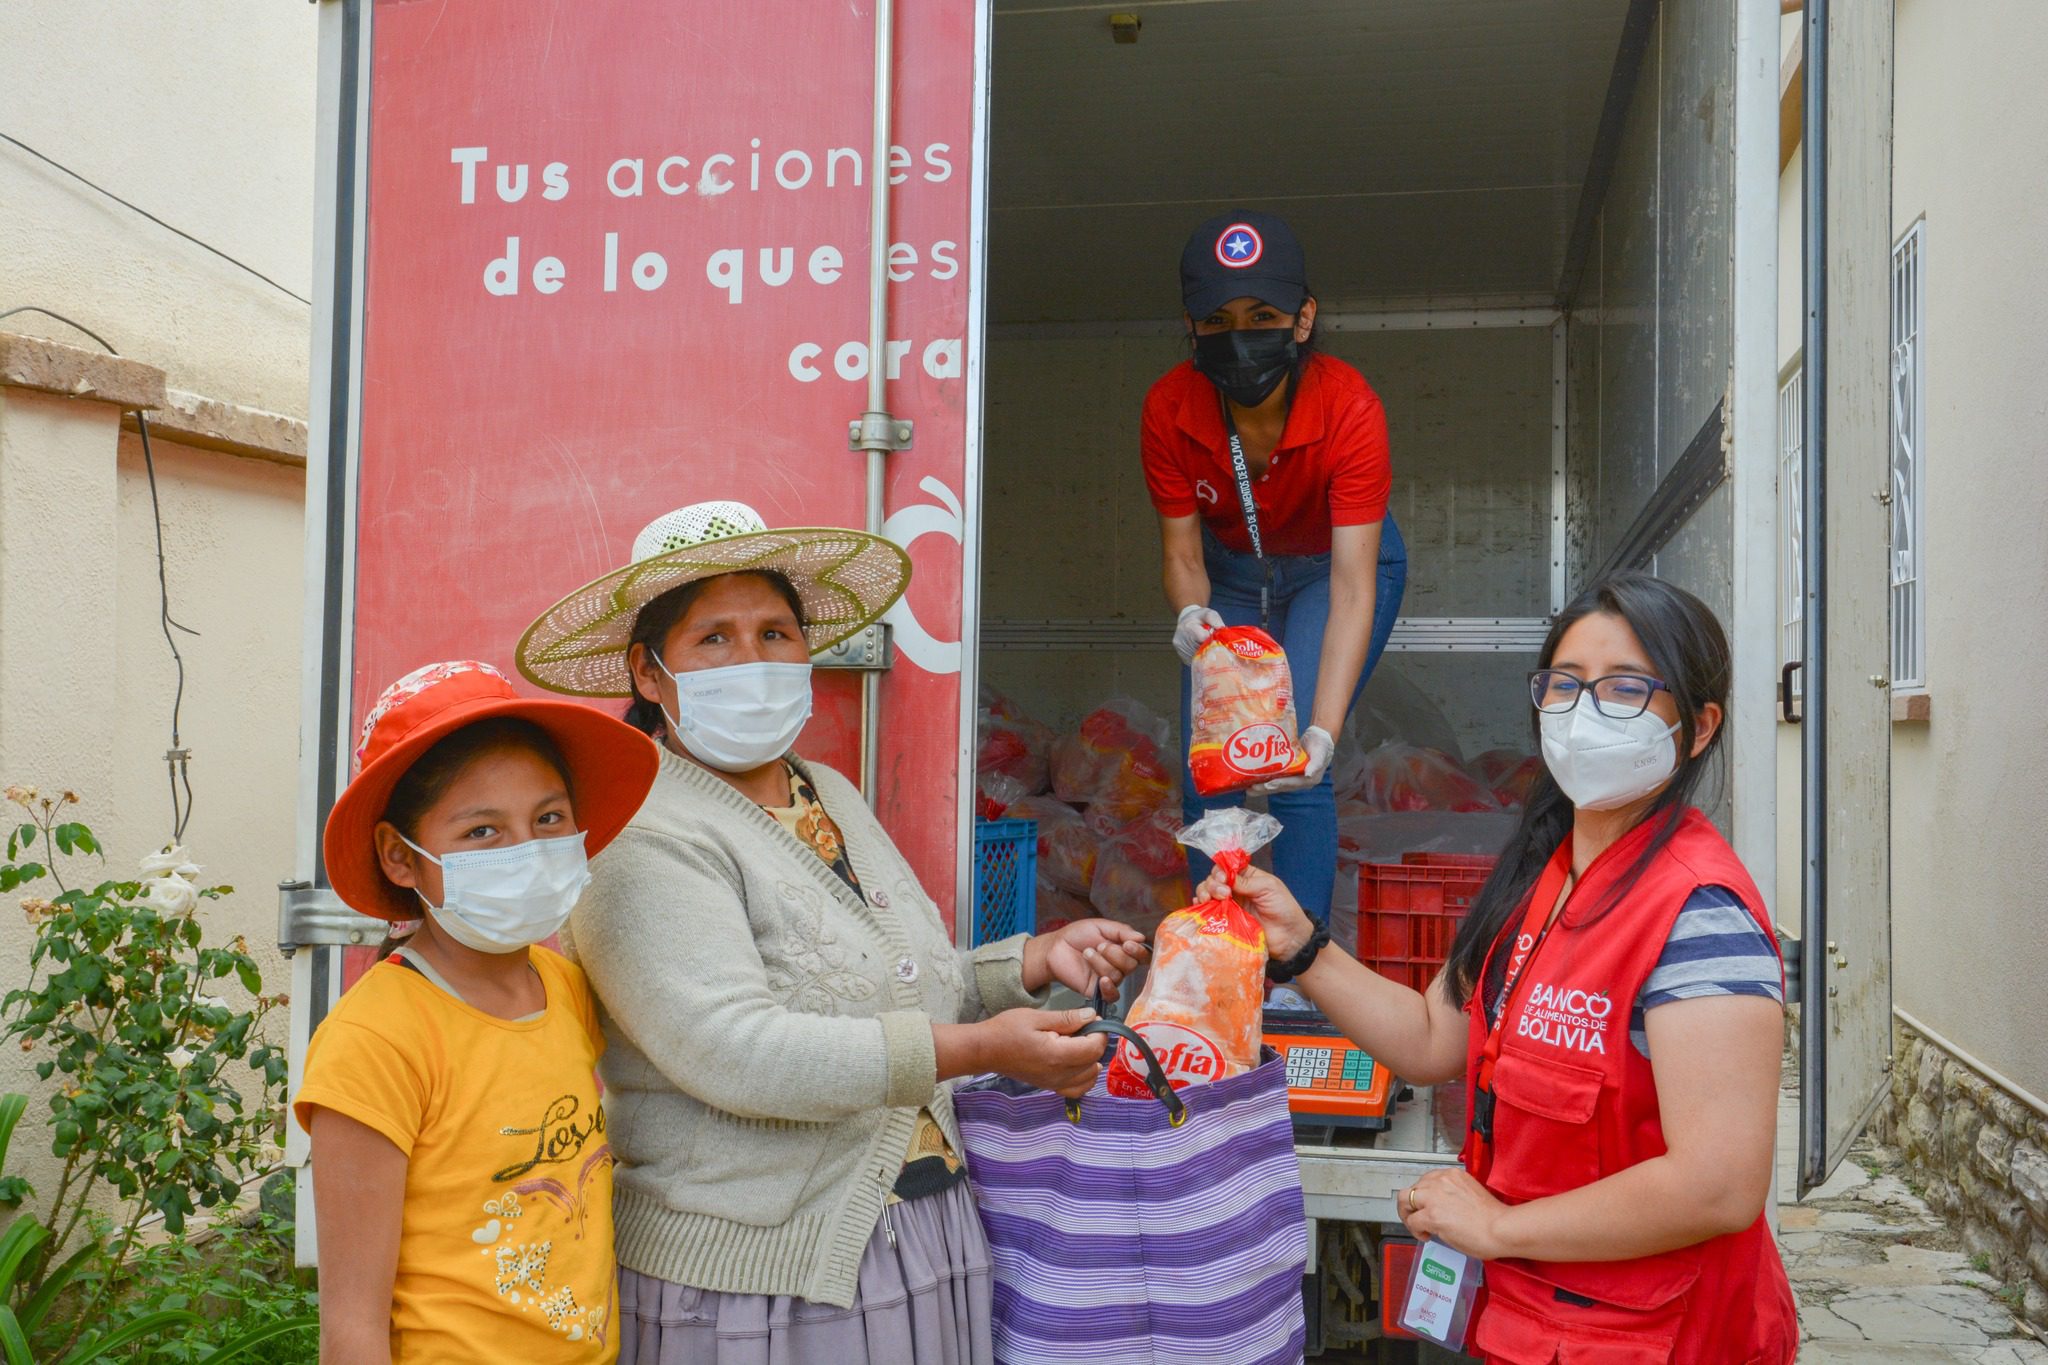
<point>585,264</point>
<point>1846,825</point>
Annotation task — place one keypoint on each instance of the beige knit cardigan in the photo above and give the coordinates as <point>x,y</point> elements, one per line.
<point>768,1033</point>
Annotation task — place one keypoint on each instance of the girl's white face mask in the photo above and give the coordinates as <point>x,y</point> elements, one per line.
<point>1602,763</point>
<point>499,900</point>
<point>739,717</point>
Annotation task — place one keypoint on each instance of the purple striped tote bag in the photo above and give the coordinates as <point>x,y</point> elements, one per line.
<point>1121,1237</point>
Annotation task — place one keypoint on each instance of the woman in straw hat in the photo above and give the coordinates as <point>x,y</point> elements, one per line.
<point>782,1003</point>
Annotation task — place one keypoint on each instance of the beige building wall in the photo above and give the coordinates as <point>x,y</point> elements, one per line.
<point>203,114</point>
<point>1969,787</point>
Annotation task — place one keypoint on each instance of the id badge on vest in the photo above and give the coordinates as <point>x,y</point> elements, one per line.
<point>1441,1295</point>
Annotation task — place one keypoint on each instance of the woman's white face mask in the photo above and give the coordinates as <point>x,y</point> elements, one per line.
<point>499,900</point>
<point>741,716</point>
<point>1602,763</point>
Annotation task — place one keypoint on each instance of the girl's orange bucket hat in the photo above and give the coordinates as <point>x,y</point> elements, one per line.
<point>611,768</point>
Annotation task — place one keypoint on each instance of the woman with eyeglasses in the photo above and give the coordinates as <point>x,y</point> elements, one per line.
<point>1614,1002</point>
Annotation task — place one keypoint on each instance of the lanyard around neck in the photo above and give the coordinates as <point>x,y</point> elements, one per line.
<point>1241,473</point>
<point>1537,922</point>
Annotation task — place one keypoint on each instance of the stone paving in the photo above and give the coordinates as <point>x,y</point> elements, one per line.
<point>1880,1277</point>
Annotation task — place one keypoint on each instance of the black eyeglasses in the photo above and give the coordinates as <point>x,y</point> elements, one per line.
<point>1618,696</point>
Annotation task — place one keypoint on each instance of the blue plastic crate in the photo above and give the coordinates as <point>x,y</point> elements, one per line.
<point>1005,879</point>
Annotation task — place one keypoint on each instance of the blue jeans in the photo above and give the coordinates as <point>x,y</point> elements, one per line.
<point>1305,854</point>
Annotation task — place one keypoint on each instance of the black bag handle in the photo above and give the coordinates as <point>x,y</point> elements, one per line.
<point>1114,1029</point>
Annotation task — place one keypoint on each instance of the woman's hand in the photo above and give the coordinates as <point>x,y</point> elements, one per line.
<point>1082,953</point>
<point>1037,1048</point>
<point>1288,927</point>
<point>1456,1210</point>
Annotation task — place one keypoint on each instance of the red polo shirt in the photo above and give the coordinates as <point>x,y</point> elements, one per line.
<point>1331,467</point>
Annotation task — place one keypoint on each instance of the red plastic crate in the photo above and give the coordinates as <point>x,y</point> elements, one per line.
<point>1479,860</point>
<point>1408,912</point>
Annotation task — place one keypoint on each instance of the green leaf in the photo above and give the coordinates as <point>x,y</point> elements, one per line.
<point>249,1341</point>
<point>53,1284</point>
<point>12,1107</point>
<point>62,834</point>
<point>23,1236</point>
<point>148,1325</point>
<point>13,1341</point>
<point>252,978</point>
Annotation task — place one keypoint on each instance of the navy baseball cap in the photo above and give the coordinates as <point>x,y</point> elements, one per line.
<point>1242,255</point>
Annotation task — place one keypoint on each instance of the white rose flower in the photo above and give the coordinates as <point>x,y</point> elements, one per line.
<point>181,1056</point>
<point>172,895</point>
<point>172,862</point>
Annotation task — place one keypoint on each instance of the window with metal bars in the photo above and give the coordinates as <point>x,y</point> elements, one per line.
<point>1909,462</point>
<point>1791,519</point>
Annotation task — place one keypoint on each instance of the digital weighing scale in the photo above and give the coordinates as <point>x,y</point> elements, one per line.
<point>1331,1083</point>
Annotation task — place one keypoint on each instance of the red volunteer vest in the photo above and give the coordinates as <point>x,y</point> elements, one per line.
<point>1575,1102</point>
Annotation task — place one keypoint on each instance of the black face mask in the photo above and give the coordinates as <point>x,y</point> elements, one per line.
<point>1246,365</point>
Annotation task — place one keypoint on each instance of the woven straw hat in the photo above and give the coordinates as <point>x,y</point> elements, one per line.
<point>845,579</point>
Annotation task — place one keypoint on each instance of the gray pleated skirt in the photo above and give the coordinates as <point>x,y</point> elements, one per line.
<point>923,1300</point>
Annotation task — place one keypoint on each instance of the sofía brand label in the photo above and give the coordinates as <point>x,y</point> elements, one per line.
<point>1187,1057</point>
<point>1440,1295</point>
<point>1258,749</point>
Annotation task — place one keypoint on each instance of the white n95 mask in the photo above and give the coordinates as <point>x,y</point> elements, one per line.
<point>499,900</point>
<point>1601,763</point>
<point>739,717</point>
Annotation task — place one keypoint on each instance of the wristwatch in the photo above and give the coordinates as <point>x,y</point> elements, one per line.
<point>1280,973</point>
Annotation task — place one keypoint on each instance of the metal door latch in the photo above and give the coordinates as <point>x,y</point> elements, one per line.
<point>310,916</point>
<point>866,652</point>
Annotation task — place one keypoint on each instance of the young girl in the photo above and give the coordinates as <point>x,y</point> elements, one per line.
<point>460,1165</point>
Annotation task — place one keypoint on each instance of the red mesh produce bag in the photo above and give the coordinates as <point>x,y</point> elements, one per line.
<point>1242,721</point>
<point>1200,1010</point>
<point>1508,773</point>
<point>1141,876</point>
<point>1067,847</point>
<point>995,793</point>
<point>1114,763</point>
<point>1402,777</point>
<point>1012,744</point>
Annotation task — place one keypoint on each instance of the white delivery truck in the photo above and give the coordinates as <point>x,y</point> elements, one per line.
<point>911,266</point>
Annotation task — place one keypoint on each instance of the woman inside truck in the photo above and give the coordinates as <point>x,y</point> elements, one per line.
<point>1614,1003</point>
<point>1267,463</point>
<point>782,1003</point>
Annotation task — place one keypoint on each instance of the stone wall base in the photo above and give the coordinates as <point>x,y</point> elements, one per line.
<point>1982,1156</point>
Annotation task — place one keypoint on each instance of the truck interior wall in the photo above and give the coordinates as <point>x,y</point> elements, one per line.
<point>1649,326</point>
<point>1070,533</point>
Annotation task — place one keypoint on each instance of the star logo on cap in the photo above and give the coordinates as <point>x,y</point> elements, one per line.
<point>1240,246</point>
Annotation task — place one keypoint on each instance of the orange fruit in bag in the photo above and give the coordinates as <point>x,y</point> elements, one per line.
<point>1241,723</point>
<point>1200,1010</point>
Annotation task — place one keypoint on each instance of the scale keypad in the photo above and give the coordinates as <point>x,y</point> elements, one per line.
<point>1328,1068</point>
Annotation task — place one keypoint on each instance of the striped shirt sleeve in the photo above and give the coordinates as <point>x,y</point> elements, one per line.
<point>1716,948</point>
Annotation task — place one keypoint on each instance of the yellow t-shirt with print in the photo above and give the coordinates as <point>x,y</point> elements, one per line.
<point>506,1248</point>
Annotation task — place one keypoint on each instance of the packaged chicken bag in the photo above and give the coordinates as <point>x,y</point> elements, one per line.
<point>1242,720</point>
<point>1200,1010</point>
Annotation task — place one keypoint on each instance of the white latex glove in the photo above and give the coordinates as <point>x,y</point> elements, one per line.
<point>1316,740</point>
<point>1196,624</point>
